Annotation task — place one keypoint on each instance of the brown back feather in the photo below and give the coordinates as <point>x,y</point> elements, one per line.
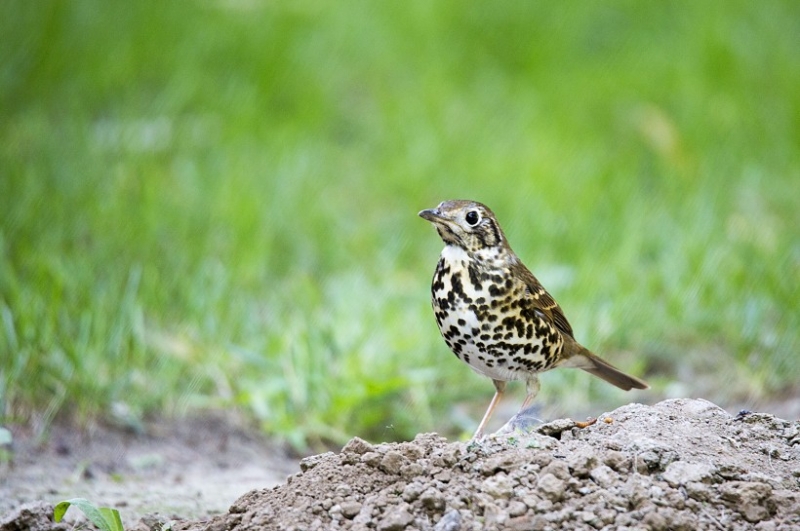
<point>543,300</point>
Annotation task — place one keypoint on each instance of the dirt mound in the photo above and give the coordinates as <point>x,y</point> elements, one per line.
<point>681,464</point>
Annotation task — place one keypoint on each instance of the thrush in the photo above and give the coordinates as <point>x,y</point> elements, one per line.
<point>495,315</point>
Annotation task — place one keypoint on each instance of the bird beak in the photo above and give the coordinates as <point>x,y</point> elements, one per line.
<point>431,214</point>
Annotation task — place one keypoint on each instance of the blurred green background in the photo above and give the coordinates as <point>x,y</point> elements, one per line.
<point>212,204</point>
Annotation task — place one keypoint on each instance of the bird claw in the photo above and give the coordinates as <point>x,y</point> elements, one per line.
<point>524,422</point>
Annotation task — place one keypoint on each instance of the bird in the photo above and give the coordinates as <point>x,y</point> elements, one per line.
<point>495,315</point>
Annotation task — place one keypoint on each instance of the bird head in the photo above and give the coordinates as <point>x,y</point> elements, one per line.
<point>467,224</point>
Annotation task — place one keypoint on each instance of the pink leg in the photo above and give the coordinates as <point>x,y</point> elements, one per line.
<point>532,388</point>
<point>500,386</point>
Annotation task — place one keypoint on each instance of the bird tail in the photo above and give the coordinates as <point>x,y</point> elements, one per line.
<point>593,364</point>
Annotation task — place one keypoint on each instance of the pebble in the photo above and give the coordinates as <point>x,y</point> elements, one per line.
<point>396,519</point>
<point>617,460</point>
<point>682,472</point>
<point>517,508</point>
<point>392,462</point>
<point>558,468</point>
<point>356,445</point>
<point>350,509</point>
<point>310,462</point>
<point>552,487</point>
<point>582,462</point>
<point>372,459</point>
<point>604,476</point>
<point>432,499</point>
<point>451,521</point>
<point>750,499</point>
<point>412,470</point>
<point>412,491</point>
<point>498,486</point>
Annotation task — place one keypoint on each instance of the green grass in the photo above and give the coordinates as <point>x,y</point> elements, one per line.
<point>213,204</point>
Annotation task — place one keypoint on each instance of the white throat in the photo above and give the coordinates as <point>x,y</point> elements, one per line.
<point>454,253</point>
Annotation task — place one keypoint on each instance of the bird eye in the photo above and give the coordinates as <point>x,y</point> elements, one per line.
<point>473,218</point>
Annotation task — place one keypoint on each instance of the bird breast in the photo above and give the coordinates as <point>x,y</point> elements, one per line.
<point>487,319</point>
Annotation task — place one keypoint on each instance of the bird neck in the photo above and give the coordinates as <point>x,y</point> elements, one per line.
<point>494,257</point>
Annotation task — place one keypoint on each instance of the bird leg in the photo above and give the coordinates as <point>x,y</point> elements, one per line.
<point>500,386</point>
<point>532,388</point>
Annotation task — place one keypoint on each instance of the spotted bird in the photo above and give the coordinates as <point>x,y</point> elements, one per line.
<point>495,315</point>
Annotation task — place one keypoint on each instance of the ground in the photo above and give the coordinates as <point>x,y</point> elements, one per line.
<point>189,468</point>
<point>679,464</point>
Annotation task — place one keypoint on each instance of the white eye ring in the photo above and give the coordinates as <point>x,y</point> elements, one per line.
<point>472,218</point>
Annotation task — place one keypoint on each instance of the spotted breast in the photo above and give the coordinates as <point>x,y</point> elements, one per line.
<point>488,319</point>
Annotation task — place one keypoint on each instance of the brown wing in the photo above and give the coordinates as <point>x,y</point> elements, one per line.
<point>544,301</point>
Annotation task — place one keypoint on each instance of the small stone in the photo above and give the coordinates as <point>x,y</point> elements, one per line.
<point>558,468</point>
<point>682,472</point>
<point>392,462</point>
<point>516,508</point>
<point>582,462</point>
<point>698,491</point>
<point>493,515</point>
<point>651,455</point>
<point>541,459</point>
<point>617,461</point>
<point>372,459</point>
<point>751,499</point>
<point>364,516</point>
<point>521,523</point>
<point>343,490</point>
<point>607,516</point>
<point>506,462</point>
<point>411,451</point>
<point>359,446</point>
<point>350,509</point>
<point>694,407</point>
<point>531,500</point>
<point>450,455</point>
<point>556,427</point>
<point>539,522</point>
<point>451,521</point>
<point>396,519</point>
<point>656,492</point>
<point>313,460</point>
<point>655,521</point>
<point>635,490</point>
<point>679,520</point>
<point>552,487</point>
<point>603,476</point>
<point>412,492</point>
<point>432,499</point>
<point>543,506</point>
<point>444,476</point>
<point>412,470</point>
<point>623,520</point>
<point>766,526</point>
<point>498,486</point>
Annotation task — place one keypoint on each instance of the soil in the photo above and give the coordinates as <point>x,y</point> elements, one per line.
<point>679,464</point>
<point>190,468</point>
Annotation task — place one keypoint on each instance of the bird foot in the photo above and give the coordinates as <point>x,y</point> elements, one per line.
<point>525,421</point>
